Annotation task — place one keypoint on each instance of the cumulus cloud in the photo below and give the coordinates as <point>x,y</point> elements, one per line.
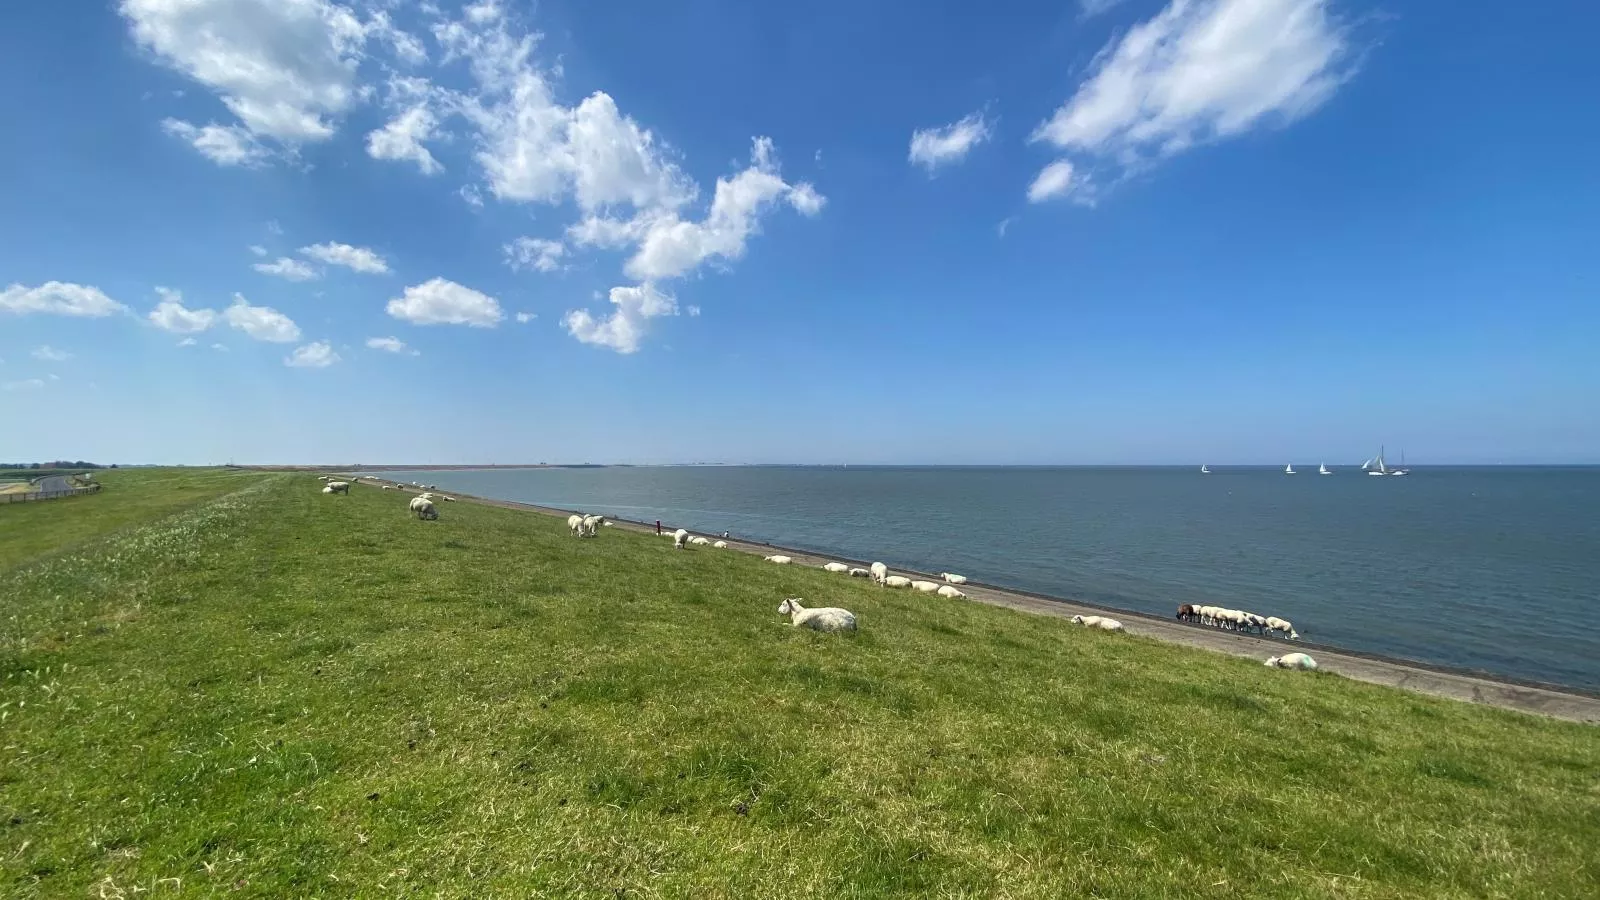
<point>442,302</point>
<point>358,259</point>
<point>261,322</point>
<point>225,145</point>
<point>1052,181</point>
<point>932,148</point>
<point>389,345</point>
<point>258,250</point>
<point>288,269</point>
<point>59,298</point>
<point>526,317</point>
<point>48,353</point>
<point>404,138</point>
<point>623,330</point>
<point>317,355</point>
<point>1199,71</point>
<point>170,314</point>
<point>535,253</point>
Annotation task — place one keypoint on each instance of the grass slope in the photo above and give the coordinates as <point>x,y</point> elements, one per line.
<point>281,693</point>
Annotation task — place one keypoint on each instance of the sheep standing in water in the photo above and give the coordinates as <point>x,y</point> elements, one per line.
<point>825,618</point>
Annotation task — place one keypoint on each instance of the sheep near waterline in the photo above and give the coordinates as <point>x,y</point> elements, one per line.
<point>1292,661</point>
<point>1273,623</point>
<point>591,525</point>
<point>953,578</point>
<point>780,560</point>
<point>860,573</point>
<point>679,538</point>
<point>951,591</point>
<point>1103,623</point>
<point>719,544</point>
<point>1185,612</point>
<point>895,581</point>
<point>879,572</point>
<point>447,499</point>
<point>339,487</point>
<point>388,487</point>
<point>424,508</point>
<point>823,618</point>
<point>575,523</point>
<point>927,587</point>
<point>835,567</point>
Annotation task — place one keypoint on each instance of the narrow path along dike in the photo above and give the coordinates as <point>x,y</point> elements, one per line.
<point>1549,700</point>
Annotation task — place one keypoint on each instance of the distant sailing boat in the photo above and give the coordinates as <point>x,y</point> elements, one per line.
<point>1376,466</point>
<point>1289,469</point>
<point>1324,470</point>
<point>1204,470</point>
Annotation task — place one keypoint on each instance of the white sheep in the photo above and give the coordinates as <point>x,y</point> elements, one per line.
<point>424,508</point>
<point>953,578</point>
<point>1292,661</point>
<point>575,522</point>
<point>835,567</point>
<point>326,489</point>
<point>388,487</point>
<point>339,487</point>
<point>927,587</point>
<point>860,573</point>
<point>679,537</point>
<point>879,572</point>
<point>1276,624</point>
<point>324,477</point>
<point>720,544</point>
<point>951,591</point>
<point>780,560</point>
<point>446,497</point>
<point>895,581</point>
<point>591,525</point>
<point>823,618</point>
<point>700,541</point>
<point>1103,623</point>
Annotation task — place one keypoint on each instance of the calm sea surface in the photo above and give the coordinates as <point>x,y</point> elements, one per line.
<point>1487,568</point>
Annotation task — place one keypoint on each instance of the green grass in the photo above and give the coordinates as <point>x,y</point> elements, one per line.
<point>279,693</point>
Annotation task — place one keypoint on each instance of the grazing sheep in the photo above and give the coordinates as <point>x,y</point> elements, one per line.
<point>424,508</point>
<point>1292,661</point>
<point>339,487</point>
<point>951,591</point>
<point>591,525</point>
<point>575,522</point>
<point>879,572</point>
<point>1185,613</point>
<point>1274,623</point>
<point>953,578</point>
<point>680,537</point>
<point>720,544</point>
<point>1103,623</point>
<point>895,581</point>
<point>835,567</point>
<point>927,587</point>
<point>860,573</point>
<point>780,560</point>
<point>823,618</point>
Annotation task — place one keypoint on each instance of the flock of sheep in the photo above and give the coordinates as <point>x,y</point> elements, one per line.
<point>835,619</point>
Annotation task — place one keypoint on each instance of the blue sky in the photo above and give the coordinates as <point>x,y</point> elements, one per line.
<point>1146,231</point>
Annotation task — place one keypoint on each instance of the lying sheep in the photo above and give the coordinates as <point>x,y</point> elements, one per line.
<point>780,560</point>
<point>879,572</point>
<point>424,508</point>
<point>388,487</point>
<point>835,567</point>
<point>326,489</point>
<point>927,587</point>
<point>1103,623</point>
<point>823,618</point>
<point>700,541</point>
<point>1292,661</point>
<point>339,487</point>
<point>720,544</point>
<point>953,578</point>
<point>860,573</point>
<point>1273,623</point>
<point>679,538</point>
<point>895,581</point>
<point>951,591</point>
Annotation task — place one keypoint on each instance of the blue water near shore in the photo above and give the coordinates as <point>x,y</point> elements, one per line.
<point>1486,568</point>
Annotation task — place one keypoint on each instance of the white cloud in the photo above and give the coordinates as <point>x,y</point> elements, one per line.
<point>48,353</point>
<point>1005,225</point>
<point>623,330</point>
<point>187,342</point>
<point>286,68</point>
<point>692,310</point>
<point>535,253</point>
<point>225,145</point>
<point>472,195</point>
<point>403,137</point>
<point>53,377</point>
<point>59,298</point>
<point>441,302</point>
<point>317,355</point>
<point>1200,71</point>
<point>526,317</point>
<point>1052,181</point>
<point>359,259</point>
<point>389,345</point>
<point>289,269</point>
<point>935,147</point>
<point>261,322</point>
<point>1096,7</point>
<point>170,314</point>
<point>258,250</point>
<point>26,384</point>
<point>221,347</point>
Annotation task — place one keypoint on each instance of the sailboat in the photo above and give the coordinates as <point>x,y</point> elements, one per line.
<point>1402,470</point>
<point>1204,470</point>
<point>1324,470</point>
<point>1289,469</point>
<point>1376,466</point>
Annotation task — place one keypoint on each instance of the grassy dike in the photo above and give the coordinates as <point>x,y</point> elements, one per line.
<point>216,682</point>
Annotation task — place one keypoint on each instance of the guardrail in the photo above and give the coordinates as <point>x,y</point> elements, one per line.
<point>29,496</point>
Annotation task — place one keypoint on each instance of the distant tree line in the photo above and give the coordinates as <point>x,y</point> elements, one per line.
<point>55,464</point>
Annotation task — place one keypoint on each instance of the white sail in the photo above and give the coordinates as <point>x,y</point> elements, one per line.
<point>1323,470</point>
<point>1204,470</point>
<point>1366,465</point>
<point>1289,469</point>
